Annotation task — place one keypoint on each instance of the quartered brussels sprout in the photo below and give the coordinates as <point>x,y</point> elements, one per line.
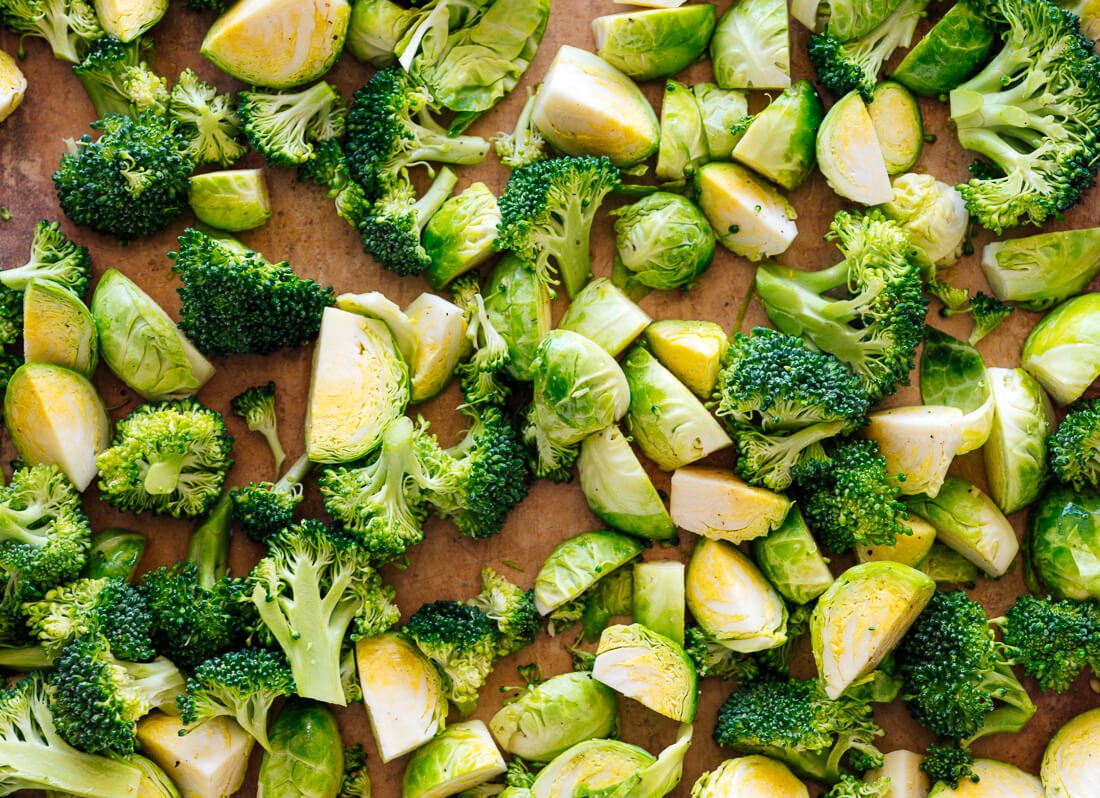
<point>617,488</point>
<point>969,522</point>
<point>899,127</point>
<point>13,85</point>
<point>750,777</point>
<point>952,373</point>
<point>932,213</point>
<point>691,350</point>
<point>903,768</point>
<point>142,345</point>
<point>780,143</point>
<point>668,423</point>
<point>1070,767</point>
<point>128,19</point>
<point>230,200</point>
<point>211,759</point>
<point>441,343</point>
<point>716,504</point>
<point>723,111</point>
<point>951,52</point>
<point>683,138</point>
<point>650,668</point>
<point>920,442</point>
<point>593,767</point>
<point>663,240</point>
<point>588,107</point>
<point>910,549</point>
<point>1063,542</point>
<point>577,563</point>
<point>750,218</point>
<point>848,153</point>
<point>518,305</point>
<point>460,757</point>
<point>605,315</point>
<point>654,43</point>
<point>659,602</point>
<point>1016,452</point>
<point>992,779</point>
<point>549,717</point>
<point>376,305</point>
<point>792,561</point>
<point>306,758</point>
<point>360,383</point>
<point>1039,271</point>
<point>1063,351</point>
<point>58,328</point>
<point>751,46</point>
<point>459,236</point>
<point>375,28</point>
<point>732,601</point>
<point>861,618</point>
<point>947,566</point>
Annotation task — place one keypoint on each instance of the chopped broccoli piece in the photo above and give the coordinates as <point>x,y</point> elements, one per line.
<point>110,607</point>
<point>256,405</point>
<point>68,26</point>
<point>513,610</point>
<point>987,312</point>
<point>356,781</point>
<point>855,787</point>
<point>1075,446</point>
<point>524,145</point>
<point>482,375</point>
<point>284,126</point>
<point>329,168</point>
<point>954,299</point>
<point>263,509</point>
<point>207,120</point>
<point>118,80</point>
<point>392,226</point>
<point>462,641</point>
<point>11,318</point>
<point>54,258</point>
<point>948,763</point>
<point>1053,640</point>
<point>711,658</point>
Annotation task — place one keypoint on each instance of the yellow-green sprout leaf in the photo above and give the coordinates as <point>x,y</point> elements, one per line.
<point>659,602</point>
<point>714,503</point>
<point>231,200</point>
<point>1063,351</point>
<point>459,236</point>
<point>792,561</point>
<point>908,549</point>
<point>780,143</point>
<point>898,126</point>
<point>952,373</point>
<point>306,756</point>
<point>1064,542</point>
<point>902,767</point>
<point>1069,763</point>
<point>919,442</point>
<point>993,779</point>
<point>58,328</point>
<point>441,343</point>
<point>650,668</point>
<point>13,85</point>
<point>683,137</point>
<point>578,563</point>
<point>750,217</point>
<point>654,43</point>
<point>1040,271</point>
<point>1016,451</point>
<point>460,757</point>
<point>211,759</point>
<point>605,315</point>
<point>848,153</point>
<point>662,241</point>
<point>601,767</point>
<point>750,777</point>
<point>751,46</point>
<point>723,112</point>
<point>376,305</point>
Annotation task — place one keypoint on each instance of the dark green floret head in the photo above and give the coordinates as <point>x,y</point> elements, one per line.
<point>1075,447</point>
<point>949,763</point>
<point>1053,639</point>
<point>462,641</point>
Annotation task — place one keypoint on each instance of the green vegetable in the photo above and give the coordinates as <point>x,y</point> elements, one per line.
<point>375,28</point>
<point>953,374</point>
<point>109,607</point>
<point>605,315</point>
<point>691,350</point>
<point>654,43</point>
<point>232,200</point>
<point>1068,758</point>
<point>714,503</point>
<point>683,137</point>
<point>603,767</point>
<point>67,27</point>
<point>946,565</point>
<point>752,776</point>
<point>1040,271</point>
<point>648,667</point>
<point>263,509</point>
<point>1054,639</point>
<point>792,561</point>
<point>53,259</point>
<point>780,143</point>
<point>58,328</point>
<point>952,51</point>
<point>932,213</point>
<point>1063,350</point>
<point>306,758</point>
<point>1063,542</point>
<point>898,126</point>
<point>119,80</point>
<point>459,236</point>
<point>208,119</point>
<point>1016,452</point>
<point>749,217</point>
<point>578,563</point>
<point>517,303</point>
<point>725,116</point>
<point>114,553</point>
<point>750,48</point>
<point>663,241</point>
<point>128,19</point>
<point>849,154</point>
<point>659,601</point>
<point>524,145</point>
<point>992,778</point>
<point>441,343</point>
<point>460,757</point>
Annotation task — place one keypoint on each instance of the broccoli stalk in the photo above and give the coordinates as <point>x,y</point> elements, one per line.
<point>263,509</point>
<point>1053,640</point>
<point>54,258</point>
<point>207,120</point>
<point>482,374</point>
<point>524,145</point>
<point>119,81</point>
<point>1075,446</point>
<point>256,405</point>
<point>284,126</point>
<point>68,26</point>
<point>392,227</point>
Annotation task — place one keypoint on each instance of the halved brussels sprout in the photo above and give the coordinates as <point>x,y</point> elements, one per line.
<point>58,328</point>
<point>951,52</point>
<point>752,776</point>
<point>1016,452</point>
<point>1070,768</point>
<point>659,602</point>
<point>683,138</point>
<point>578,563</point>
<point>594,767</point>
<point>898,126</point>
<point>1042,270</point>
<point>306,758</point>
<point>952,373</point>
<point>54,415</point>
<point>848,153</point>
<point>459,236</point>
<point>992,779</point>
<point>605,315</point>
<point>402,693</point>
<point>360,383</point>
<point>920,442</point>
<point>460,757</point>
<point>518,305</point>
<point>903,768</point>
<point>780,142</point>
<point>13,85</point>
<point>142,345</point>
<point>732,601</point>
<point>441,343</point>
<point>231,200</point>
<point>650,668</point>
<point>1063,543</point>
<point>722,111</point>
<point>969,522</point>
<point>861,617</point>
<point>663,241</point>
<point>671,426</point>
<point>852,19</point>
<point>716,504</point>
<point>655,43</point>
<point>909,549</point>
<point>750,218</point>
<point>751,46</point>
<point>549,717</point>
<point>932,213</point>
<point>947,566</point>
<point>691,350</point>
<point>1063,351</point>
<point>617,488</point>
<point>209,760</point>
<point>792,561</point>
<point>376,305</point>
<point>588,107</point>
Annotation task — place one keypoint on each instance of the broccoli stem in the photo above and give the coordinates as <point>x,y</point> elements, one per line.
<point>441,148</point>
<point>68,770</point>
<point>572,251</point>
<point>209,544</point>
<point>271,435</point>
<point>294,475</point>
<point>438,193</point>
<point>163,476</point>
<point>25,658</point>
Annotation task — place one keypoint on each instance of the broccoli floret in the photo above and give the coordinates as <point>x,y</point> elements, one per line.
<point>1034,111</point>
<point>9,362</point>
<point>218,6</point>
<point>1053,640</point>
<point>855,787</point>
<point>242,685</point>
<point>392,226</point>
<point>1075,446</point>
<point>36,757</point>
<point>356,781</point>
<point>118,80</point>
<point>547,211</point>
<point>329,168</point>
<point>284,126</point>
<point>237,302</point>
<point>711,658</point>
<point>11,317</point>
<point>166,458</point>
<point>949,764</point>
<point>462,641</point>
<point>876,328</point>
<point>256,405</point>
<point>954,299</point>
<point>847,496</point>
<point>207,120</point>
<point>263,509</point>
<point>309,589</point>
<point>524,145</point>
<point>68,26</point>
<point>482,375</point>
<point>958,679</point>
<point>793,721</point>
<point>131,181</point>
<point>111,607</point>
<point>390,129</point>
<point>513,610</point>
<point>44,534</point>
<point>986,312</point>
<point>844,66</point>
<point>54,258</point>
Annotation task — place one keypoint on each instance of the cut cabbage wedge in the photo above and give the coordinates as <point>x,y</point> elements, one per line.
<point>849,155</point>
<point>650,668</point>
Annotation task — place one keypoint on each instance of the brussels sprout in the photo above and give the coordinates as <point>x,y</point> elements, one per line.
<point>375,28</point>
<point>792,561</point>
<point>306,759</point>
<point>360,383</point>
<point>750,777</point>
<point>154,781</point>
<point>918,442</point>
<point>751,47</point>
<point>969,522</point>
<point>663,240</point>
<point>683,139</point>
<point>1016,452</point>
<point>605,315</point>
<point>518,305</point>
<point>1069,767</point>
<point>588,107</point>
<point>659,602</point>
<point>716,504</point>
<point>114,554</point>
<point>898,126</point>
<point>578,388</point>
<point>209,761</point>
<point>861,617</point>
<point>952,373</point>
<point>946,565</point>
<point>848,153</point>
<point>577,563</point>
<point>780,142</point>
<point>662,777</point>
<point>910,549</point>
<point>402,692</point>
<point>549,717</point>
<point>441,343</point>
<point>459,236</point>
<point>671,426</point>
<point>13,85</point>
<point>1042,270</point>
<point>58,328</point>
<point>141,344</point>
<point>725,113</point>
<point>460,757</point>
<point>128,19</point>
<point>607,598</point>
<point>650,668</point>
<point>750,218</point>
<point>691,350</point>
<point>617,488</point>
<point>732,601</point>
<point>903,769</point>
<point>594,767</point>
<point>992,779</point>
<point>55,416</point>
<point>231,200</point>
<point>1063,542</point>
<point>932,213</point>
<point>1063,351</point>
<point>376,305</point>
<point>951,52</point>
<point>655,43</point>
